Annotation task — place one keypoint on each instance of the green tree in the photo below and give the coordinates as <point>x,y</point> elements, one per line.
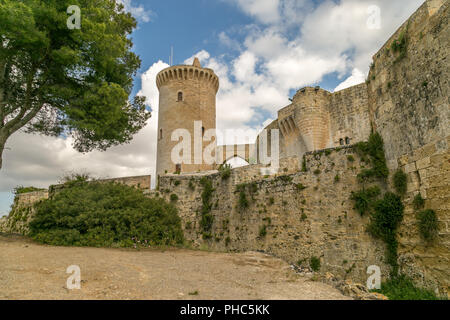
<point>60,81</point>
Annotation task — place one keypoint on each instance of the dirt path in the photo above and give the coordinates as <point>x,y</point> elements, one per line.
<point>31,271</point>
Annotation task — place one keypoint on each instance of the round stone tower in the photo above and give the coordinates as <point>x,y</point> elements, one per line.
<point>187,101</point>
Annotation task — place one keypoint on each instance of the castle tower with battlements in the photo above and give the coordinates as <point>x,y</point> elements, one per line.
<point>187,96</point>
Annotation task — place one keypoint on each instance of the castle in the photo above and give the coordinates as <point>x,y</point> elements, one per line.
<point>316,119</point>
<point>305,210</point>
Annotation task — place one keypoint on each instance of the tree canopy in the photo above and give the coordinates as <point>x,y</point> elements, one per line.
<point>56,80</point>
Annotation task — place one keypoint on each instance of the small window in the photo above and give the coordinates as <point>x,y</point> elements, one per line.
<point>160,134</point>
<point>178,169</point>
<point>341,142</point>
<point>180,96</point>
<point>347,140</point>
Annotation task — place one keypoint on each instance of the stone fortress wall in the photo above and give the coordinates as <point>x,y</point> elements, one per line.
<point>297,215</point>
<point>409,106</point>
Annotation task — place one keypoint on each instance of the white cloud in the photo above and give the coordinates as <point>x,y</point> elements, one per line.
<point>139,12</point>
<point>265,11</point>
<point>357,77</point>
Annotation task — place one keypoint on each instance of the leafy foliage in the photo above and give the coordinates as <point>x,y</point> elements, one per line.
<point>402,288</point>
<point>374,148</point>
<point>364,199</point>
<point>314,263</point>
<point>384,224</point>
<point>400,182</point>
<point>54,80</point>
<point>428,224</point>
<point>21,190</point>
<point>418,202</point>
<point>225,171</point>
<point>104,214</point>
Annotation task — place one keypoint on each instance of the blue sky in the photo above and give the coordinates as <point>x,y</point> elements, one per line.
<point>262,50</point>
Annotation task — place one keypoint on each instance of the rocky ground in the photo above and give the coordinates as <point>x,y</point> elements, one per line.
<point>32,271</point>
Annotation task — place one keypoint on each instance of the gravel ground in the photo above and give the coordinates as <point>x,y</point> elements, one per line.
<point>32,271</point>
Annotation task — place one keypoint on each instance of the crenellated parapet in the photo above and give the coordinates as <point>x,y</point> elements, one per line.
<point>185,73</point>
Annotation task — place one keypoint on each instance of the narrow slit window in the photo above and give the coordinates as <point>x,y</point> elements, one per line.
<point>180,96</point>
<point>160,134</point>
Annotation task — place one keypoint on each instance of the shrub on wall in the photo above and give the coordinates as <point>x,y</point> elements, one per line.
<point>400,183</point>
<point>225,171</point>
<point>314,263</point>
<point>104,214</point>
<point>364,199</point>
<point>418,202</point>
<point>428,224</point>
<point>385,222</point>
<point>374,148</point>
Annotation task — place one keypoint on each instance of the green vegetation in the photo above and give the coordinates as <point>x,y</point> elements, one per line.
<point>402,288</point>
<point>104,215</point>
<point>195,293</point>
<point>207,218</point>
<point>191,185</point>
<point>400,182</point>
<point>337,178</point>
<point>271,201</point>
<point>300,187</point>
<point>263,231</point>
<point>317,171</point>
<point>350,158</point>
<point>314,263</point>
<point>173,197</point>
<point>83,77</point>
<point>21,190</point>
<point>177,183</point>
<point>385,222</point>
<point>374,148</point>
<point>304,164</point>
<point>428,224</point>
<point>303,216</point>
<point>364,199</point>
<point>225,171</point>
<point>400,46</point>
<point>418,202</point>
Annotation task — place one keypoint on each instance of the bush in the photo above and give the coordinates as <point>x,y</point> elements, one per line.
<point>337,178</point>
<point>418,202</point>
<point>173,197</point>
<point>364,199</point>
<point>350,158</point>
<point>384,224</point>
<point>400,183</point>
<point>402,288</point>
<point>104,215</point>
<point>263,231</point>
<point>374,148</point>
<point>225,171</point>
<point>428,224</point>
<point>21,190</point>
<point>314,263</point>
<point>207,193</point>
<point>317,171</point>
<point>304,164</point>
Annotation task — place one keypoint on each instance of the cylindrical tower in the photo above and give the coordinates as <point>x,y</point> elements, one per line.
<point>312,117</point>
<point>187,96</point>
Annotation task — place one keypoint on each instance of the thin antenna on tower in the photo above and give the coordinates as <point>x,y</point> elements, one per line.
<point>171,55</point>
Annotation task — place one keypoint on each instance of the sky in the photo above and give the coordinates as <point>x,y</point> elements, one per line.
<point>262,50</point>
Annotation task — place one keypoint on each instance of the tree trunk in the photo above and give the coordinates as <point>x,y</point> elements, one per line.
<point>2,147</point>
